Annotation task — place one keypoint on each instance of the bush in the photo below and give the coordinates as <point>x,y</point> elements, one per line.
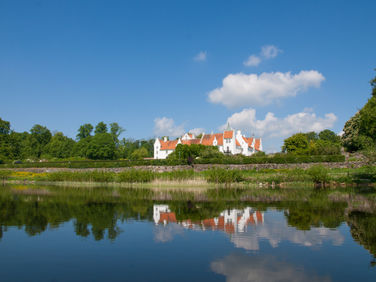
<point>220,175</point>
<point>319,174</point>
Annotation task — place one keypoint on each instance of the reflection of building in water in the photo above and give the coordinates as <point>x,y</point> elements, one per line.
<point>230,221</point>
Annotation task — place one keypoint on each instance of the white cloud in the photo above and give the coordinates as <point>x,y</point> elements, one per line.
<point>163,234</point>
<point>252,61</point>
<point>276,231</point>
<point>166,127</point>
<point>197,131</point>
<point>200,57</point>
<point>270,51</point>
<point>267,52</point>
<point>240,267</point>
<point>251,89</point>
<point>272,126</point>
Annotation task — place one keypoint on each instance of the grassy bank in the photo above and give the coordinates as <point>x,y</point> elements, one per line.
<point>314,175</point>
<point>276,159</point>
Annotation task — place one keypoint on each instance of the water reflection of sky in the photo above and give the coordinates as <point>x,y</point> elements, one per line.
<point>237,244</point>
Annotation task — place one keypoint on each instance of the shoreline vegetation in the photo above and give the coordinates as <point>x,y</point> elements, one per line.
<point>315,176</point>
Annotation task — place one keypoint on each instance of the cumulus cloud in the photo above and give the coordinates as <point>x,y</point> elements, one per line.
<point>272,126</point>
<point>270,51</point>
<point>166,127</point>
<point>252,61</point>
<point>197,131</point>
<point>240,267</point>
<point>276,231</point>
<point>251,89</point>
<point>200,57</point>
<point>163,234</point>
<point>267,52</point>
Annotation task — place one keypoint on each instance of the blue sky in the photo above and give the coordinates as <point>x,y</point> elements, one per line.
<point>153,66</point>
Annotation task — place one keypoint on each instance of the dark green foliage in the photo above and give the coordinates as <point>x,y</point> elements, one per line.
<point>360,130</point>
<point>38,139</point>
<point>84,131</point>
<point>329,136</point>
<point>115,131</point>
<point>101,147</point>
<point>4,127</point>
<point>100,128</point>
<point>60,146</point>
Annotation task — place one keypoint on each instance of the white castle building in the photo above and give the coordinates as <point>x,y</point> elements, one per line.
<point>229,142</point>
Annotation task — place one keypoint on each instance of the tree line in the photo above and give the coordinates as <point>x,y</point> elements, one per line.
<point>101,142</point>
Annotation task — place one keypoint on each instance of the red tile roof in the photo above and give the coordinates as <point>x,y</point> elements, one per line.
<point>257,144</point>
<point>228,134</point>
<point>219,137</point>
<point>248,140</point>
<point>168,145</point>
<point>167,216</point>
<point>190,142</point>
<point>207,140</point>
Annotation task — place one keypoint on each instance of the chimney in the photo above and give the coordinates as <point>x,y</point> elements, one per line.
<point>165,139</point>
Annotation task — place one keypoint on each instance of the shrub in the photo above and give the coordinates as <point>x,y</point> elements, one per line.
<point>319,174</point>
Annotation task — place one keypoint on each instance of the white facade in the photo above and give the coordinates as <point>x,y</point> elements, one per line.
<point>228,142</point>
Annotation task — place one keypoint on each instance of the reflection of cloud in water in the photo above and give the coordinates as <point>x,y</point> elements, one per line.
<point>166,233</point>
<point>238,267</point>
<point>277,230</point>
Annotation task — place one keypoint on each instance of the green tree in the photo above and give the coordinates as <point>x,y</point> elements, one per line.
<point>312,136</point>
<point>360,130</point>
<point>329,136</point>
<point>38,139</point>
<point>84,131</point>
<point>4,127</point>
<point>60,146</point>
<point>101,147</point>
<point>296,144</point>
<point>101,128</point>
<point>139,154</point>
<point>116,130</point>
<point>80,149</point>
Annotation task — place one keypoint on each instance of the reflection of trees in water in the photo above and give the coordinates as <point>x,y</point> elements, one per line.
<point>98,212</point>
<point>98,219</point>
<point>363,230</point>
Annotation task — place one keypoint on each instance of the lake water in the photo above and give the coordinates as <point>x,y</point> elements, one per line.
<point>119,234</point>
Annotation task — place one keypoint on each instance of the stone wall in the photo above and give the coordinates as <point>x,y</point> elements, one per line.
<point>202,167</point>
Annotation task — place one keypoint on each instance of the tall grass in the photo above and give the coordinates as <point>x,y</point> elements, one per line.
<point>86,176</point>
<point>135,175</point>
<point>221,175</point>
<point>177,175</point>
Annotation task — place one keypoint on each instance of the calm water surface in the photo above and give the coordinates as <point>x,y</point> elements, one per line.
<point>109,234</point>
